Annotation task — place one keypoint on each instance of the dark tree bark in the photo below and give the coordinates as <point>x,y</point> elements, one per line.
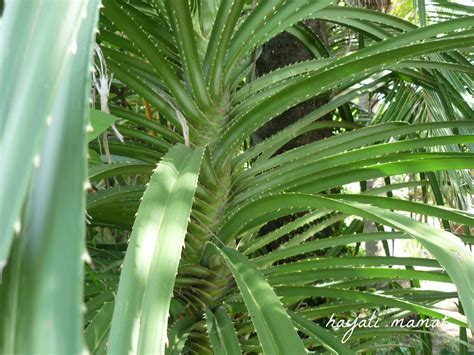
<point>281,51</point>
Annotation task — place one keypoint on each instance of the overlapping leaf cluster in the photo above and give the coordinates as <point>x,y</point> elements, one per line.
<point>185,95</point>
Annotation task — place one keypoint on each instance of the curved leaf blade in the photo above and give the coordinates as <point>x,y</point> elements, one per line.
<point>44,115</point>
<point>222,333</point>
<point>267,313</point>
<point>146,284</point>
<point>448,250</point>
<point>320,334</point>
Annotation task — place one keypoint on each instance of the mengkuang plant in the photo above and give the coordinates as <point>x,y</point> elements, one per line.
<point>179,254</point>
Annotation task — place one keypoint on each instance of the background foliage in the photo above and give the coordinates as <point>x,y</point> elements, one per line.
<point>232,243</point>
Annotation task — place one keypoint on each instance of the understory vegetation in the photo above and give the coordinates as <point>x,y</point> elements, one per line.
<point>165,190</point>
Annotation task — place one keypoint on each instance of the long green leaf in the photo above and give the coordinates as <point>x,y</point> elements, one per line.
<point>326,79</point>
<point>268,315</point>
<point>445,247</point>
<point>97,330</point>
<point>146,284</point>
<point>222,333</point>
<point>222,30</point>
<point>178,335</point>
<point>302,292</point>
<point>321,263</point>
<point>180,15</point>
<point>128,23</point>
<point>44,105</point>
<point>267,20</point>
<point>320,334</point>
<point>304,277</point>
<point>29,92</point>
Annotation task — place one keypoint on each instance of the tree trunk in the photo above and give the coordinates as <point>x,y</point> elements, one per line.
<point>281,51</point>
